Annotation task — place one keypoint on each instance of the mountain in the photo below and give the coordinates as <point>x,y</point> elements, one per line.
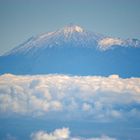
<point>73,50</point>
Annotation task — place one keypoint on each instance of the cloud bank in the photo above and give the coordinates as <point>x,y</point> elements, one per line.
<point>70,97</point>
<point>63,134</point>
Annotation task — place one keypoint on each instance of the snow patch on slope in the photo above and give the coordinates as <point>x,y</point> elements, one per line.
<point>105,43</point>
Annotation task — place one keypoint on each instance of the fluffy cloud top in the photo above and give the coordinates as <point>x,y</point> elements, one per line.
<point>70,97</point>
<point>58,134</point>
<point>62,134</point>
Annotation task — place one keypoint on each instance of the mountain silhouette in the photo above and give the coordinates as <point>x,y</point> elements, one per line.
<point>75,51</point>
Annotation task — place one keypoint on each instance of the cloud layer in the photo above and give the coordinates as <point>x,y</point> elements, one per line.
<point>63,134</point>
<point>70,97</point>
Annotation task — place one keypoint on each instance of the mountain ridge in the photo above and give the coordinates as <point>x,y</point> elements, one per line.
<point>73,50</point>
<point>75,33</point>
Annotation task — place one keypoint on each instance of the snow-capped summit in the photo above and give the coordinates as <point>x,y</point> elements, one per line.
<point>73,28</point>
<point>67,30</point>
<point>68,36</point>
<point>73,50</point>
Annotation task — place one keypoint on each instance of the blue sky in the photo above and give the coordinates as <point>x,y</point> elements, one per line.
<point>21,19</point>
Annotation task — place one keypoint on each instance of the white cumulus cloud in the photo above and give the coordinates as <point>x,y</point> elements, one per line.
<point>58,134</point>
<point>70,97</point>
<point>63,134</point>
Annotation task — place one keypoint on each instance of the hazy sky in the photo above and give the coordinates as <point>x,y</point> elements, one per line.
<point>21,19</point>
